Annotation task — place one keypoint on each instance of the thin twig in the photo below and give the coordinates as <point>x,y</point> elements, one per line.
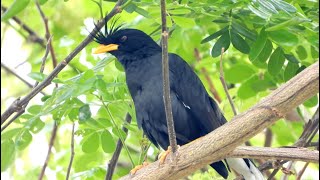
<point>21,109</point>
<point>51,142</point>
<point>268,139</point>
<point>54,62</point>
<point>302,171</point>
<point>18,76</point>
<point>225,85</point>
<point>15,107</point>
<point>166,81</point>
<point>206,75</point>
<point>48,36</point>
<point>308,133</point>
<point>72,152</point>
<point>113,162</point>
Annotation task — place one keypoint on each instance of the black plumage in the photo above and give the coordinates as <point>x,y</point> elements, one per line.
<point>195,113</point>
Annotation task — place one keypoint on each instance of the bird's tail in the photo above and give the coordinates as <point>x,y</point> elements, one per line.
<point>246,168</point>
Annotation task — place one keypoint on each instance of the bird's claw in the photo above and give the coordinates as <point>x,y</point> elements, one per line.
<point>135,169</point>
<point>163,155</point>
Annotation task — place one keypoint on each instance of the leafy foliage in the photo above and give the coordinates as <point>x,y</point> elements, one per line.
<point>266,43</point>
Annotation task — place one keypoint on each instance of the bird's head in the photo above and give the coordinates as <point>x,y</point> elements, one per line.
<point>125,42</point>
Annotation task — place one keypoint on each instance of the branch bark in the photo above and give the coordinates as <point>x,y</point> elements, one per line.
<point>292,154</point>
<point>212,147</point>
<point>166,81</point>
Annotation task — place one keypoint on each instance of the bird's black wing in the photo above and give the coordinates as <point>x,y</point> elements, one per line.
<point>192,94</point>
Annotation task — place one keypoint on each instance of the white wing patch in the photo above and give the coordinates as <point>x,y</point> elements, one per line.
<point>185,105</point>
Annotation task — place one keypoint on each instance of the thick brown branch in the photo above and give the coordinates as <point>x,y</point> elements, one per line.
<point>165,77</point>
<point>293,154</point>
<point>212,147</point>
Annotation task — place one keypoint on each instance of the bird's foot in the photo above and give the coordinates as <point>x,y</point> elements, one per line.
<point>163,155</point>
<point>135,169</point>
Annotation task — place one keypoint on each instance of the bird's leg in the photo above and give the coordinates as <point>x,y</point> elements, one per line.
<point>135,169</point>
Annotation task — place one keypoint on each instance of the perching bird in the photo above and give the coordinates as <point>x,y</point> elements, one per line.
<point>195,113</point>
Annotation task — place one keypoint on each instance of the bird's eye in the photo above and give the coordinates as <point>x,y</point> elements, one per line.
<point>123,38</point>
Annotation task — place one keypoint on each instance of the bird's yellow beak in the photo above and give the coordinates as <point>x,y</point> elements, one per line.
<point>105,48</point>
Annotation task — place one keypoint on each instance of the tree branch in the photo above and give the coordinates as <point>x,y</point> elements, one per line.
<point>20,103</point>
<point>72,152</point>
<point>224,84</point>
<point>292,154</point>
<point>18,76</point>
<point>113,162</point>
<point>51,142</point>
<point>206,75</point>
<point>212,147</point>
<point>166,81</point>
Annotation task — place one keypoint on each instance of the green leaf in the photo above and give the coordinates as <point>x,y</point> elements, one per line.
<point>90,143</point>
<point>313,101</point>
<point>245,90</point>
<point>258,45</point>
<point>284,38</point>
<point>93,124</point>
<point>285,24</point>
<point>283,132</point>
<point>291,58</point>
<point>223,41</point>
<point>142,12</point>
<point>101,85</point>
<point>276,62</point>
<point>73,114</point>
<point>290,70</point>
<point>266,51</point>
<point>244,31</point>
<point>283,5</point>
<point>119,66</point>
<point>107,142</point>
<point>220,21</point>
<point>42,2</point>
<point>36,126</point>
<point>16,7</point>
<point>9,134</point>
<point>179,11</point>
<point>214,35</point>
<point>23,140</point>
<point>37,76</point>
<point>301,68</point>
<point>238,73</point>
<point>84,113</point>
<point>44,98</point>
<point>239,43</point>
<point>35,109</point>
<point>302,52</point>
<point>86,75</point>
<point>8,152</point>
<point>184,22</point>
<point>104,122</point>
<point>314,52</point>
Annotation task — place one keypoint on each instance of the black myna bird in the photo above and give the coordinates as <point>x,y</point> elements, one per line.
<point>195,113</point>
